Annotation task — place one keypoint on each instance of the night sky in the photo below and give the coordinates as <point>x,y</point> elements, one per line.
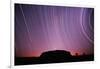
<point>40,28</point>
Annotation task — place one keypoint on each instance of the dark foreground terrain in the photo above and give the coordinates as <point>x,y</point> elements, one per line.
<point>57,56</point>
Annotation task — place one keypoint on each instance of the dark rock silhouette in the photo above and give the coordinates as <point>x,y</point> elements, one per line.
<point>55,56</point>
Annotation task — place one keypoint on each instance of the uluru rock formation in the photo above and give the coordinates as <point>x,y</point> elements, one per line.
<point>56,56</point>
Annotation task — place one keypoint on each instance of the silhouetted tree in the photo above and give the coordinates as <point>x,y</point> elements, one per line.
<point>76,54</point>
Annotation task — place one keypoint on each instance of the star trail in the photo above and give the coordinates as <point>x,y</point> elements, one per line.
<point>40,28</point>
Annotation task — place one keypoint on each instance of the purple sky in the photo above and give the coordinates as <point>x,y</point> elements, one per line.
<point>40,28</point>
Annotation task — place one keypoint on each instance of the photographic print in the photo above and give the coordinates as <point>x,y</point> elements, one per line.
<point>52,34</point>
